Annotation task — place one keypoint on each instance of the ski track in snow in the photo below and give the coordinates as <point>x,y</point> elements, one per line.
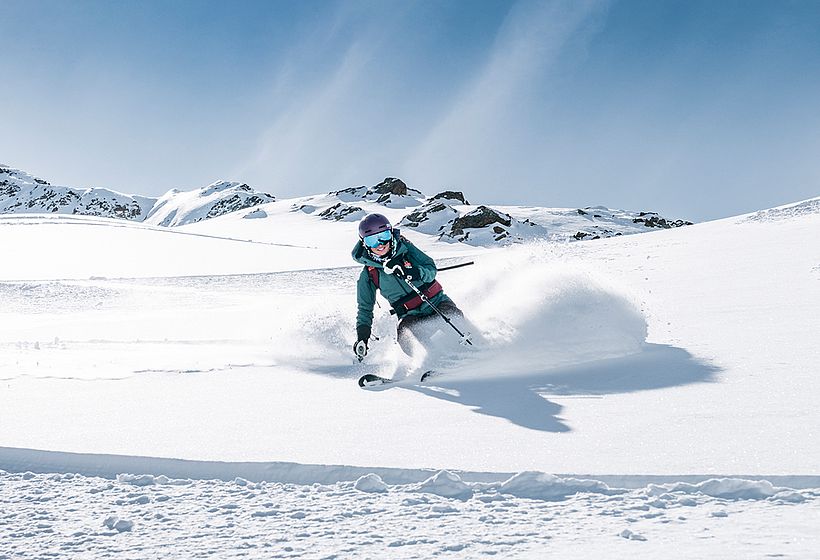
<point>531,514</point>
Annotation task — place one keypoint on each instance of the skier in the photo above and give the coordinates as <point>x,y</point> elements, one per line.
<point>390,262</point>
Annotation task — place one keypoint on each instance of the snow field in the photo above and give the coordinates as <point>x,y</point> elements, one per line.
<point>530,315</point>
<point>54,247</point>
<point>270,353</point>
<point>685,355</point>
<point>526,516</point>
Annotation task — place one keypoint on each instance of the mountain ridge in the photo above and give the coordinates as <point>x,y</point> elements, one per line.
<point>447,216</point>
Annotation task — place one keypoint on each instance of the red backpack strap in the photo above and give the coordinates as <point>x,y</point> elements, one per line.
<point>373,272</point>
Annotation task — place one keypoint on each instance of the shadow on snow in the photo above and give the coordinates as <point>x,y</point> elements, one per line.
<point>524,401</point>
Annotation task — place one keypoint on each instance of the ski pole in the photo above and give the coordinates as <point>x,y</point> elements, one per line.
<point>436,309</point>
<point>455,266</point>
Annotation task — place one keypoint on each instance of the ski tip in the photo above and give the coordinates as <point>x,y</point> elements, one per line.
<point>369,381</point>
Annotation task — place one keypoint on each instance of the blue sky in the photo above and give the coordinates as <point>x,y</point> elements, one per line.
<point>695,109</point>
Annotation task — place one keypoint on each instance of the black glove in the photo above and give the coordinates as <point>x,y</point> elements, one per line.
<point>401,267</point>
<point>360,347</point>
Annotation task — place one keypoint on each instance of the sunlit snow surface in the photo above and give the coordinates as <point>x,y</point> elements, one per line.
<point>526,516</point>
<point>676,357</point>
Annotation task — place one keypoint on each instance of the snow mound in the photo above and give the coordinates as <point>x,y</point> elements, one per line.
<point>447,485</point>
<point>548,487</point>
<point>150,480</point>
<point>120,525</point>
<point>372,483</point>
<point>137,480</point>
<point>726,488</point>
<point>630,536</point>
<point>255,214</point>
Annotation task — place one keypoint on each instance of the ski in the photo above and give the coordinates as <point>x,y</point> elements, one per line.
<point>372,381</point>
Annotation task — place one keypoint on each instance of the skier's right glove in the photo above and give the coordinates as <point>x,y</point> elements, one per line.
<point>363,335</point>
<point>401,267</point>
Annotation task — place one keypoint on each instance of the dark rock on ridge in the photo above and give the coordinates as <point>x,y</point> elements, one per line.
<point>479,218</point>
<point>451,195</point>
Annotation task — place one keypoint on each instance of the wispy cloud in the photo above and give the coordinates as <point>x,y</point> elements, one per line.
<point>476,141</point>
<point>359,123</point>
<point>323,133</point>
<point>305,137</point>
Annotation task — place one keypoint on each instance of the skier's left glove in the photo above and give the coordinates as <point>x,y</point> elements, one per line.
<point>363,336</point>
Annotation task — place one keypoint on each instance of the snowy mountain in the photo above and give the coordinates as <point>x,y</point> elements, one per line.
<point>21,192</point>
<point>195,395</point>
<point>446,216</point>
<point>449,217</point>
<point>176,208</point>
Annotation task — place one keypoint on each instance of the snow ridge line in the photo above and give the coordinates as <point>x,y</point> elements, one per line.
<point>18,460</point>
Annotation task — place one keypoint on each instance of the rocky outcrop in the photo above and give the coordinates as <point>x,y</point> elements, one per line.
<point>113,208</point>
<point>427,212</point>
<point>236,202</point>
<point>342,212</point>
<point>486,226</point>
<point>452,197</point>
<point>602,222</point>
<point>21,192</point>
<point>391,185</point>
<point>482,216</point>
<point>432,218</point>
<point>653,220</point>
<point>392,193</point>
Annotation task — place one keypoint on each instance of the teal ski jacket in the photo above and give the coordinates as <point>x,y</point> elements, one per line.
<point>392,288</point>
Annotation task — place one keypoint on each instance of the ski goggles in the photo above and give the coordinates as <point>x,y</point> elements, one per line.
<point>377,239</point>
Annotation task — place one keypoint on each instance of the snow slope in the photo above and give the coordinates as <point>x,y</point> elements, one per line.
<point>705,330</point>
<point>176,207</point>
<point>51,247</point>
<point>687,354</point>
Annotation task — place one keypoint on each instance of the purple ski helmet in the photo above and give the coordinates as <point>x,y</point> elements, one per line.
<point>373,223</point>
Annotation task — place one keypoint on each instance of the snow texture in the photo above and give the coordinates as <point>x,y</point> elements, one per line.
<point>69,515</point>
<point>190,391</point>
